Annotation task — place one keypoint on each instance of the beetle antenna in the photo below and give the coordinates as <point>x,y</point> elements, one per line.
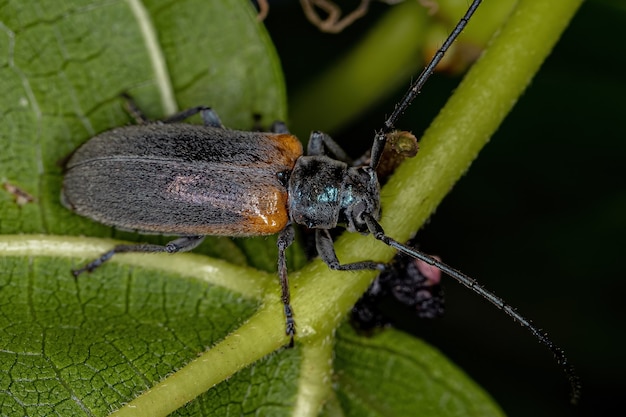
<point>416,86</point>
<point>470,283</point>
<point>574,381</point>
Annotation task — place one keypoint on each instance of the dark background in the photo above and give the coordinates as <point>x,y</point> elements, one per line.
<point>540,218</point>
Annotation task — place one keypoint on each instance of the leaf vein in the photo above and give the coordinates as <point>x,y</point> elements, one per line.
<point>155,52</point>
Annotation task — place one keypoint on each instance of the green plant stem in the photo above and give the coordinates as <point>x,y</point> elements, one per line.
<point>314,386</point>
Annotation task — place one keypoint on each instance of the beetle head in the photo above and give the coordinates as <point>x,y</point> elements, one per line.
<point>324,192</point>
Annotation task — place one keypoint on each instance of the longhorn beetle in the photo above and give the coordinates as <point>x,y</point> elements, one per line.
<point>189,180</point>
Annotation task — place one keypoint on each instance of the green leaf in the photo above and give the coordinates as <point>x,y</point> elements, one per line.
<point>416,377</point>
<point>65,65</point>
<point>84,347</point>
<point>148,335</point>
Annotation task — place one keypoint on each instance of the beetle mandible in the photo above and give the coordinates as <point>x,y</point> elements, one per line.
<point>188,180</point>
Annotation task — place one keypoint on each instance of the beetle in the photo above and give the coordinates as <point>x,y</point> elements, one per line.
<point>174,178</point>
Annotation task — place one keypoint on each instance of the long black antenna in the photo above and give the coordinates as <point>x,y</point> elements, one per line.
<point>470,283</point>
<point>416,87</point>
<point>378,232</point>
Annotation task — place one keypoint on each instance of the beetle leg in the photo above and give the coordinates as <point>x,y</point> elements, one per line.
<point>279,127</point>
<point>377,149</point>
<point>285,238</point>
<point>209,117</point>
<point>320,140</point>
<point>182,244</point>
<point>134,110</point>
<point>326,250</point>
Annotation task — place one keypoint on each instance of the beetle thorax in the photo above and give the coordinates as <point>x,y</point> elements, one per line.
<point>324,193</point>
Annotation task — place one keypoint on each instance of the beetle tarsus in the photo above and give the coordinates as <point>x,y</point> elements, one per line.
<point>290,324</point>
<point>91,266</point>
